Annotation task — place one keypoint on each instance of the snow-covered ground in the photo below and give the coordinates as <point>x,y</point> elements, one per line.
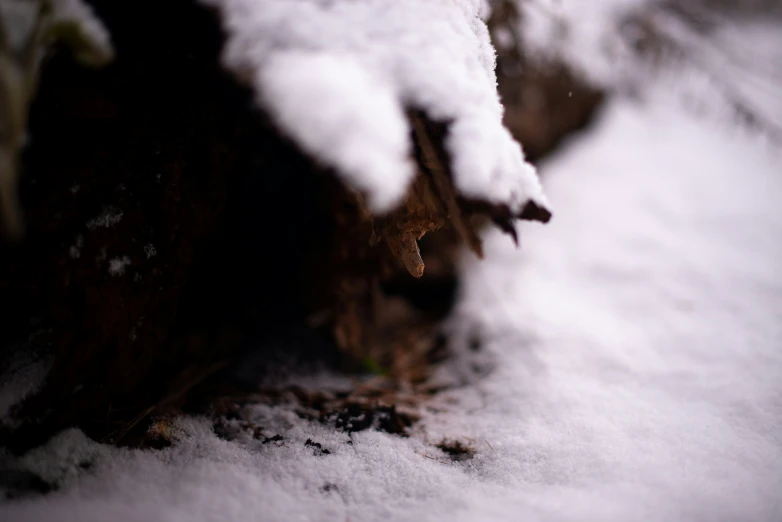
<point>636,344</point>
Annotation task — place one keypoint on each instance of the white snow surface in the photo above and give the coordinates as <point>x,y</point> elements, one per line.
<point>337,77</point>
<point>636,350</point>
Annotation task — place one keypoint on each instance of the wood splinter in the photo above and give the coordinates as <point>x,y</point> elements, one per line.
<point>406,248</point>
<point>411,256</point>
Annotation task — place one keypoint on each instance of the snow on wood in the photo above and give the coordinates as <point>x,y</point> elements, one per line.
<point>338,78</point>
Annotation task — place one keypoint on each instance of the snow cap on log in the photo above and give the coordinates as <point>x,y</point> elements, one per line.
<point>339,77</point>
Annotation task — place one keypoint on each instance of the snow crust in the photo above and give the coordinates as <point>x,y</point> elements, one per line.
<point>338,76</point>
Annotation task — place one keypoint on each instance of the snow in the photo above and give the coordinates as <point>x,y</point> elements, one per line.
<point>108,217</point>
<point>117,265</point>
<point>648,369</point>
<point>634,349</point>
<point>630,354</point>
<point>22,376</point>
<point>75,249</point>
<point>72,21</point>
<point>722,65</point>
<point>338,77</point>
<point>584,34</point>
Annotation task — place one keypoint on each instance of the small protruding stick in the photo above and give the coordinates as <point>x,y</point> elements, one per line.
<point>406,248</point>
<point>437,167</point>
<point>411,256</point>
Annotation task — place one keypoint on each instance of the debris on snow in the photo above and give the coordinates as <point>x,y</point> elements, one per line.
<point>456,449</point>
<point>317,448</point>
